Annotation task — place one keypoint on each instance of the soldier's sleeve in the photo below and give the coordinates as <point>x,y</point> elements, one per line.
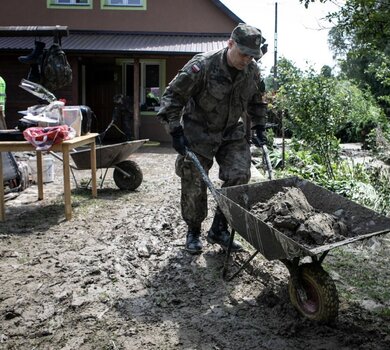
<point>184,85</point>
<point>257,108</point>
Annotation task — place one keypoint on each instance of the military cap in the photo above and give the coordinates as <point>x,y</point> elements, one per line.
<point>248,39</point>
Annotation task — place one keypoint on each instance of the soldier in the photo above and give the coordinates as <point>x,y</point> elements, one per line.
<point>202,108</point>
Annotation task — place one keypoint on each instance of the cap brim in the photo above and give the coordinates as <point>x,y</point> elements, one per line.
<point>250,52</point>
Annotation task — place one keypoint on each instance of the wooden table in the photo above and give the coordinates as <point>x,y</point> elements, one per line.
<point>65,147</point>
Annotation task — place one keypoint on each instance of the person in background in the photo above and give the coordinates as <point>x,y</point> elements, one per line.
<point>202,109</point>
<point>151,99</point>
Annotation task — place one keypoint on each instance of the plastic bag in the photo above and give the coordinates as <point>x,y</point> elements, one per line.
<point>43,138</point>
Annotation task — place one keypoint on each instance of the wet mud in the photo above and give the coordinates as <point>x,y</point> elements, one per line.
<point>290,213</point>
<point>117,276</point>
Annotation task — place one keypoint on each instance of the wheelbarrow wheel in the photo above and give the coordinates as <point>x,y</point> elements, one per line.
<point>321,301</point>
<point>130,177</point>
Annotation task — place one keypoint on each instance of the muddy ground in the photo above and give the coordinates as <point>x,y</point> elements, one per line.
<point>116,276</point>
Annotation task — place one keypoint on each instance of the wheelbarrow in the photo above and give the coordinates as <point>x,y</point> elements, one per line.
<point>311,289</point>
<point>127,173</point>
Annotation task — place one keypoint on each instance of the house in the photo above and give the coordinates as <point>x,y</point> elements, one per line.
<point>128,47</point>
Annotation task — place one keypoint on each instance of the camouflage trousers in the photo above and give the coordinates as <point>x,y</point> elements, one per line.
<point>234,160</point>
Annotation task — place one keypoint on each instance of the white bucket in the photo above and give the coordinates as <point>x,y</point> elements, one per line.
<point>47,169</point>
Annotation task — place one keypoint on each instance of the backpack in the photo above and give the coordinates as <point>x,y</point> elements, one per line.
<point>55,70</point>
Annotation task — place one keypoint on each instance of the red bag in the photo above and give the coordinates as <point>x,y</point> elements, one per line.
<point>42,138</point>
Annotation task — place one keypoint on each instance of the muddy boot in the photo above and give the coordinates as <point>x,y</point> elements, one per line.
<point>193,243</point>
<point>35,54</point>
<point>219,233</point>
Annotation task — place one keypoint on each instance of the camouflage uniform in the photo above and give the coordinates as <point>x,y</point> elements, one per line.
<point>209,105</point>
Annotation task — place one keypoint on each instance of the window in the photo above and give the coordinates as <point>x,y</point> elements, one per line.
<point>123,4</point>
<point>150,86</point>
<point>152,82</point>
<point>69,3</point>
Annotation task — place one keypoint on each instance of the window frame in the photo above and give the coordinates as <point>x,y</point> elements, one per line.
<point>143,62</point>
<point>105,5</point>
<point>53,4</point>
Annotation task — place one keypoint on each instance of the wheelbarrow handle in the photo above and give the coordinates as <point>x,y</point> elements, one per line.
<point>203,174</point>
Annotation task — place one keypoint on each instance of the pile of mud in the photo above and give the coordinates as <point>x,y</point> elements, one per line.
<point>290,213</point>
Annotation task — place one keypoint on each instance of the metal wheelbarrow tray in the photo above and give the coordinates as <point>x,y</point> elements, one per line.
<point>311,289</point>
<point>127,174</point>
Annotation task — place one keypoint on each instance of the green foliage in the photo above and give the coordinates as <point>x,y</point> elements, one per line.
<point>322,109</point>
<point>379,143</point>
<point>317,107</point>
<point>307,2</point>
<point>363,116</point>
<point>380,179</point>
<point>360,182</point>
<point>360,42</point>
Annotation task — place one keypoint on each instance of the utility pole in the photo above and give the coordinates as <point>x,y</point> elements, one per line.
<point>276,82</point>
<point>276,47</point>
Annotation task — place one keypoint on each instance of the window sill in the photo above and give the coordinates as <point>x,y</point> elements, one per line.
<point>148,113</point>
<point>121,7</point>
<point>72,6</point>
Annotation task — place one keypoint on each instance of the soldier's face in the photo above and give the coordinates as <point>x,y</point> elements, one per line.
<point>235,57</point>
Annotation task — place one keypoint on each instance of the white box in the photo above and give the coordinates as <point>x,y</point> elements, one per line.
<point>72,117</point>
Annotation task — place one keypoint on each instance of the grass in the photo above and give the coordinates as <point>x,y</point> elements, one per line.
<point>364,274</point>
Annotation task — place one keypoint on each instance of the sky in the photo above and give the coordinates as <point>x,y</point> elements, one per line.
<point>302,33</point>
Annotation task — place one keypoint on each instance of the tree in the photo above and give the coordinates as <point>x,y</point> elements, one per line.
<point>319,106</point>
<point>360,40</point>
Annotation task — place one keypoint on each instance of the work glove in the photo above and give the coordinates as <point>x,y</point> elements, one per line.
<point>260,138</point>
<point>179,141</point>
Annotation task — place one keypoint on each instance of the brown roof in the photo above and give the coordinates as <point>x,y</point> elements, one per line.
<point>110,42</point>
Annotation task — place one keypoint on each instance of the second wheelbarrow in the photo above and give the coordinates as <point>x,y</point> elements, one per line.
<point>311,289</point>
<point>127,173</point>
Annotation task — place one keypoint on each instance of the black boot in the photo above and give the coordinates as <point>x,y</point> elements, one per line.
<point>35,54</point>
<point>34,74</point>
<point>193,243</point>
<point>219,233</point>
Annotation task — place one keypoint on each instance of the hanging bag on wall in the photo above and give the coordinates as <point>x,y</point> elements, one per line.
<point>56,71</point>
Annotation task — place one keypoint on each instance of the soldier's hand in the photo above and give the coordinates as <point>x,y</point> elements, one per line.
<point>260,137</point>
<point>179,141</point>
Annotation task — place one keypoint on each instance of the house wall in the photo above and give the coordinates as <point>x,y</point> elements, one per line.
<point>18,99</point>
<point>193,16</point>
<point>177,16</point>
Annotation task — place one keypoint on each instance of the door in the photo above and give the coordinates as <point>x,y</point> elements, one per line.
<point>102,82</point>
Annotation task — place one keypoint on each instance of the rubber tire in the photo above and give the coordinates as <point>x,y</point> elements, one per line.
<point>323,302</point>
<point>128,183</point>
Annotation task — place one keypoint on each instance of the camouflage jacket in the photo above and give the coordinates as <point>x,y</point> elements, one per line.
<point>209,105</point>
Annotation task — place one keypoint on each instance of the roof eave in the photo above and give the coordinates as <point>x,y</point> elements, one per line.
<point>227,11</point>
